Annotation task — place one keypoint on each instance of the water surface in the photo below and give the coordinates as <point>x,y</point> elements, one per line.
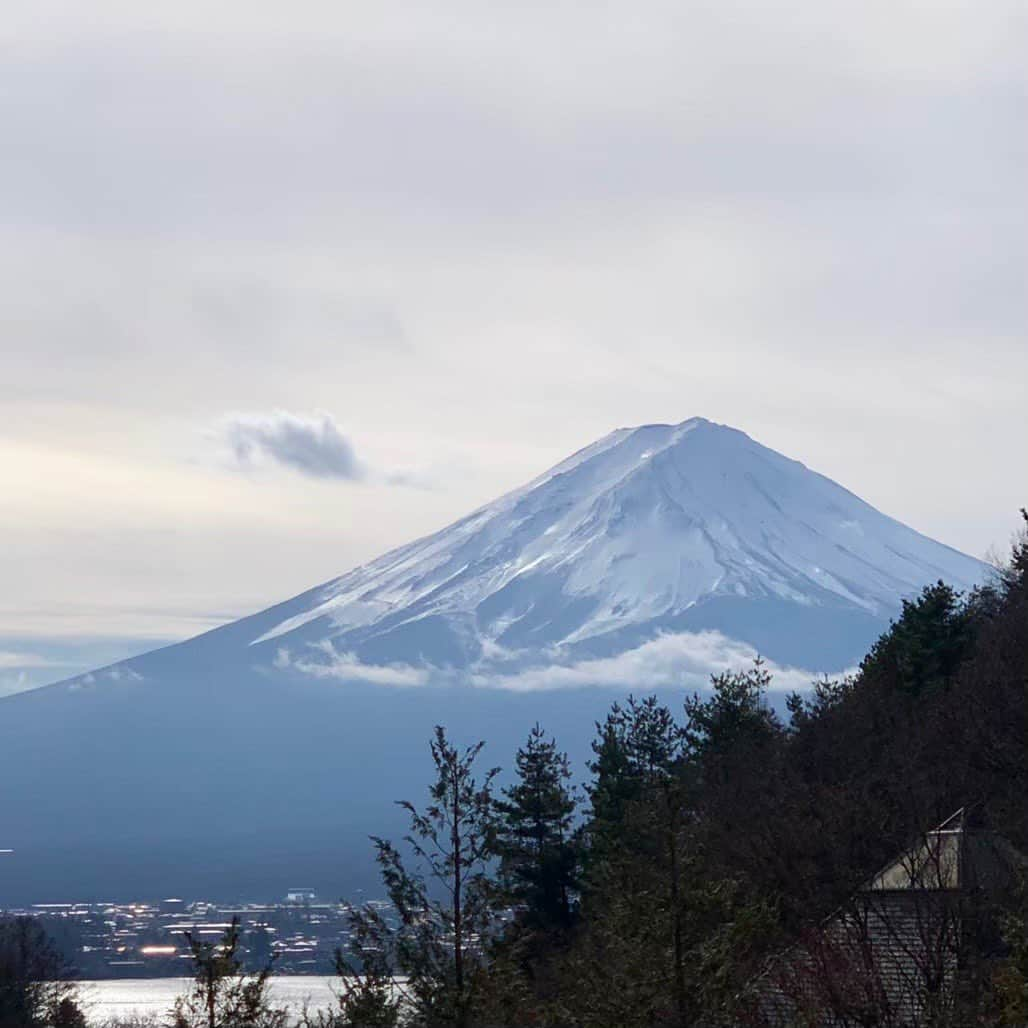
<point>125,997</point>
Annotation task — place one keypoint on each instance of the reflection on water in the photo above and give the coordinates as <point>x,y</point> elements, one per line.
<point>122,997</point>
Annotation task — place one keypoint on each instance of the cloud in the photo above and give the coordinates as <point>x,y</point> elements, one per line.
<point>348,667</point>
<point>21,670</point>
<point>11,684</point>
<point>310,444</point>
<point>684,660</point>
<point>16,660</point>
<point>120,673</point>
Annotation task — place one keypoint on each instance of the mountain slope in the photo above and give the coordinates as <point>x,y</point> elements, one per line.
<point>263,753</point>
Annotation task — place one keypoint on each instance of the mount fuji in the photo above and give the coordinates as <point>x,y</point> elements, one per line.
<point>268,748</point>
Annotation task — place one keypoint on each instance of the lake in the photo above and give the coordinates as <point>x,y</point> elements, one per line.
<point>123,997</point>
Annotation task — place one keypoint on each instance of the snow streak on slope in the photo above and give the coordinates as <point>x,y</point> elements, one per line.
<point>650,531</point>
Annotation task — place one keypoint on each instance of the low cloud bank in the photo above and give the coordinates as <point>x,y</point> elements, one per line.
<point>17,660</point>
<point>675,660</point>
<point>348,667</point>
<point>683,660</point>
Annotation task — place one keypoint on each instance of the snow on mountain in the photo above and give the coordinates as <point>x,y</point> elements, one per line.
<point>691,531</point>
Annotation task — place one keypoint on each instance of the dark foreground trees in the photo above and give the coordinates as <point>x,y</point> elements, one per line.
<point>535,836</point>
<point>446,908</point>
<point>34,992</point>
<point>666,931</point>
<point>223,994</point>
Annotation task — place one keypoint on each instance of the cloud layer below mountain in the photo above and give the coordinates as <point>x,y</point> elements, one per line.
<point>683,660</point>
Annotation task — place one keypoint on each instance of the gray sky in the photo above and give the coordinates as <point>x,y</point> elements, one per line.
<point>288,284</point>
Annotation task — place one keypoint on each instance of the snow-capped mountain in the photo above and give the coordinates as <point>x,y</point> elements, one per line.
<point>651,531</point>
<point>270,748</point>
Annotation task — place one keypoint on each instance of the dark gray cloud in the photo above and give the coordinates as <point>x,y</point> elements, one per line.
<point>310,444</point>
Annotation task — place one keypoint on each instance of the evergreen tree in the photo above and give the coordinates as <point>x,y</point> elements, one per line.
<point>223,994</point>
<point>535,837</point>
<point>734,720</point>
<point>34,990</point>
<point>447,909</point>
<point>642,852</point>
<point>926,645</point>
<point>639,745</point>
<point>368,996</point>
<point>614,783</point>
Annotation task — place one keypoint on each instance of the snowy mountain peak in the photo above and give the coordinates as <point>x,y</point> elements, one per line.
<point>650,530</point>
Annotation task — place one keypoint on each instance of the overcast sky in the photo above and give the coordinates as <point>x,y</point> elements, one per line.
<point>288,284</point>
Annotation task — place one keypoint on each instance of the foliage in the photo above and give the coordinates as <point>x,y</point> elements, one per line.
<point>368,996</point>
<point>535,836</point>
<point>447,910</point>
<point>223,994</point>
<point>33,986</point>
<point>926,645</point>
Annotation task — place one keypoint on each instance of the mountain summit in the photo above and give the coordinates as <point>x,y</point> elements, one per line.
<point>267,750</point>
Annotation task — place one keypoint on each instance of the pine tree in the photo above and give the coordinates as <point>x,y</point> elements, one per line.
<point>926,644</point>
<point>639,745</point>
<point>223,995</point>
<point>34,986</point>
<point>368,996</point>
<point>447,909</point>
<point>535,839</point>
<point>640,852</point>
<point>735,717</point>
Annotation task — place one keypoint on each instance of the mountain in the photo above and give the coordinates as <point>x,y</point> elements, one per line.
<point>650,531</point>
<point>268,748</point>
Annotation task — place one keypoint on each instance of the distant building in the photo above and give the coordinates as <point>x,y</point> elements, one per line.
<point>301,896</point>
